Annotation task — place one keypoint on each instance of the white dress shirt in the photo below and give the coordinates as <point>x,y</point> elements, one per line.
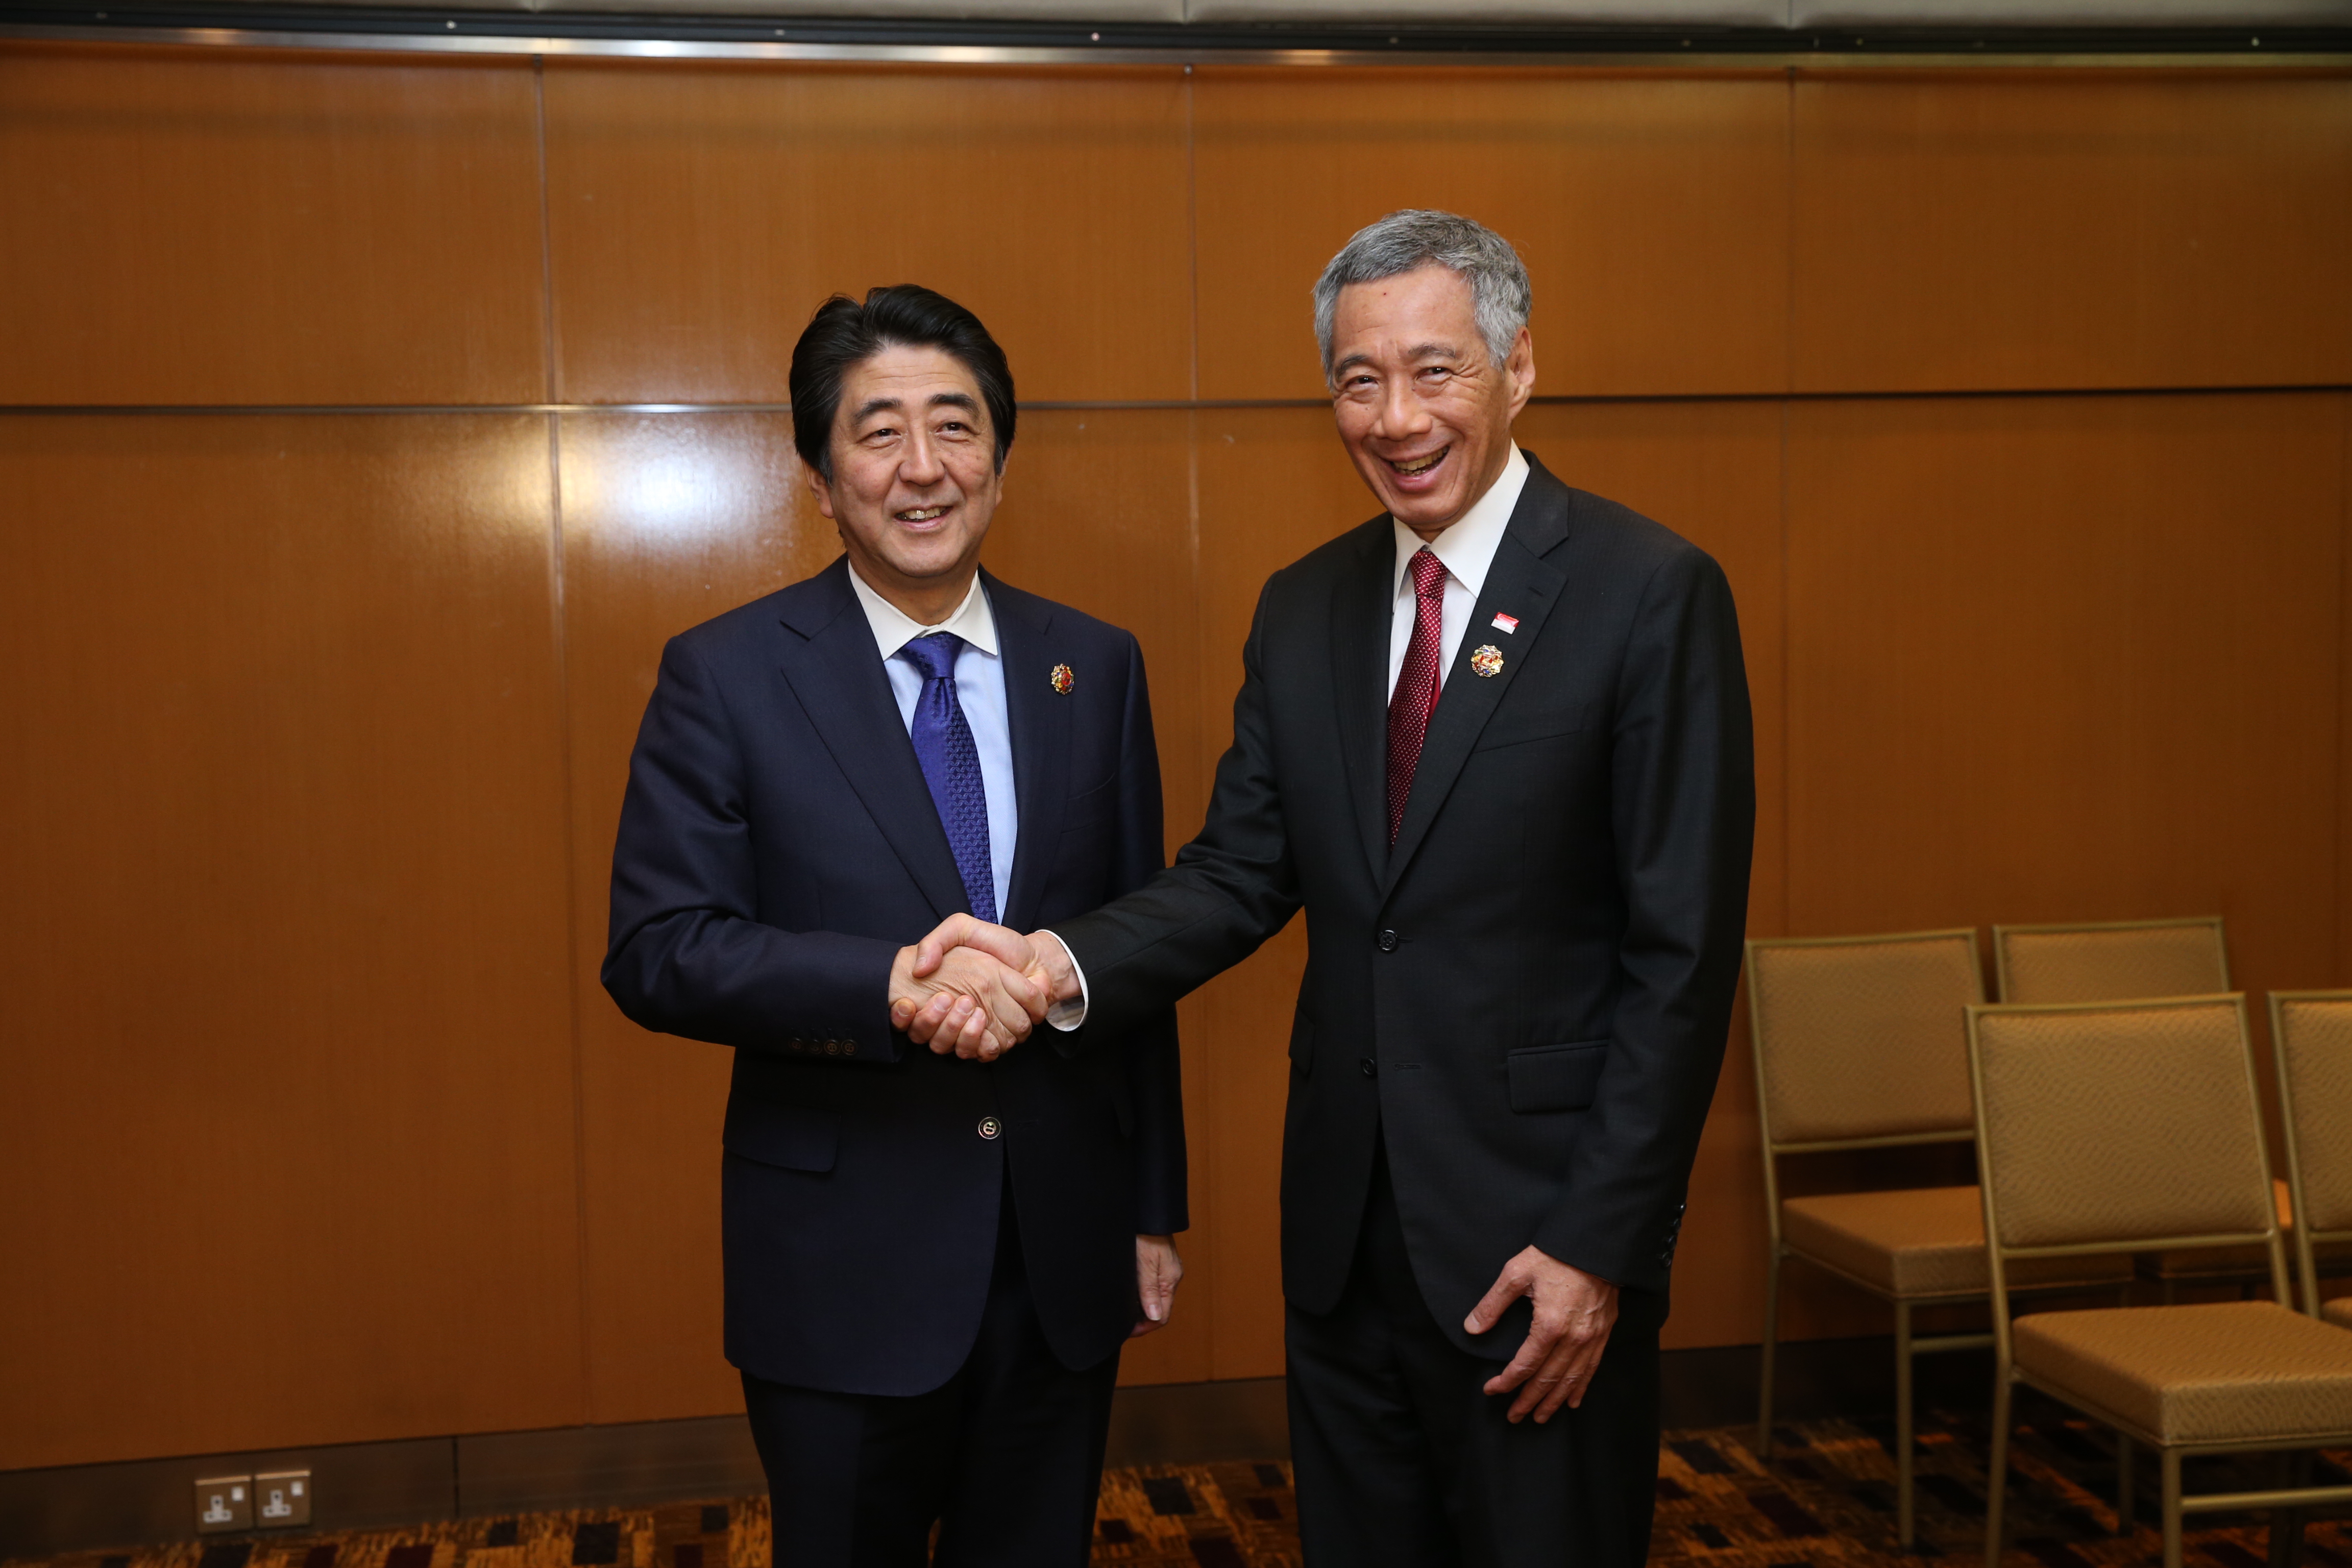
<point>1467,548</point>
<point>980,690</point>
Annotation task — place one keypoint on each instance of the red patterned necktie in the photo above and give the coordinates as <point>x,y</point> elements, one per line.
<point>1415,698</point>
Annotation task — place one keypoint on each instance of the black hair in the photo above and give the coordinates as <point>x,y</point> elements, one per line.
<point>844,334</point>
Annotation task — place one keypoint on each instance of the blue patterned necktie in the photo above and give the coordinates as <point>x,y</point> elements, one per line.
<point>951,766</point>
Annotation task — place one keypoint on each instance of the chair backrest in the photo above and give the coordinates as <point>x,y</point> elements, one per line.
<point>1862,1038</point>
<point>2117,961</point>
<point>2310,1043</point>
<point>2112,1127</point>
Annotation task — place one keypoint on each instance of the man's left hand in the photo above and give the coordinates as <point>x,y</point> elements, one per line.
<point>1158,1270</point>
<point>1574,1312</point>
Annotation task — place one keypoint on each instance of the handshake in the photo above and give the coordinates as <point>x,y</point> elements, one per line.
<point>975,989</point>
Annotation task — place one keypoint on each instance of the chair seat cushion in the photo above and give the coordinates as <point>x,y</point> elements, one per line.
<point>1924,1241</point>
<point>2214,1372</point>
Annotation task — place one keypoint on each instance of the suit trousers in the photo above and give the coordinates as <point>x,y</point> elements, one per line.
<point>1401,1459</point>
<point>1006,1456</point>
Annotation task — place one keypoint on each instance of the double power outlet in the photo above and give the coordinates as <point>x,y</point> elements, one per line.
<point>276,1500</point>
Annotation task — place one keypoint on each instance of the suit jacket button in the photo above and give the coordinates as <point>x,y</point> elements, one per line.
<point>849,1047</point>
<point>1370,1067</point>
<point>1386,942</point>
<point>989,1127</point>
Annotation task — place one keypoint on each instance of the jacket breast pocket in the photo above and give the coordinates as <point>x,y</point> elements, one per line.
<point>1517,726</point>
<point>1556,1078</point>
<point>1089,808</point>
<point>795,1137</point>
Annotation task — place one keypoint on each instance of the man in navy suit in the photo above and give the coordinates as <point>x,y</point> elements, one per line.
<point>932,1257</point>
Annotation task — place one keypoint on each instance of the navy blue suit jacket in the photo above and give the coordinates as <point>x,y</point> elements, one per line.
<point>777,847</point>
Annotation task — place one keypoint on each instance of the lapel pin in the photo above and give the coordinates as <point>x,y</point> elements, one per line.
<point>1503,623</point>
<point>1061,680</point>
<point>1488,661</point>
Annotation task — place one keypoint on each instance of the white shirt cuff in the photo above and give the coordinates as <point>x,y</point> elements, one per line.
<point>1070,1013</point>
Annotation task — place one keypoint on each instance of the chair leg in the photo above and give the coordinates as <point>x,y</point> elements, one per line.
<point>2287,1523</point>
<point>2123,1484</point>
<point>1997,1469</point>
<point>2168,1460</point>
<point>1905,1524</point>
<point>1769,1355</point>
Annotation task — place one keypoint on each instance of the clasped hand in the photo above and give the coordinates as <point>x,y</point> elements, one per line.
<point>976,989</point>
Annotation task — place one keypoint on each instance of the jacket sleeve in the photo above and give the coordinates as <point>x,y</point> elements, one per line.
<point>1684,804</point>
<point>687,955</point>
<point>1231,889</point>
<point>1152,1062</point>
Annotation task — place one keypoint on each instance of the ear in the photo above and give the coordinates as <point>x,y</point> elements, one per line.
<point>820,490</point>
<point>1522,366</point>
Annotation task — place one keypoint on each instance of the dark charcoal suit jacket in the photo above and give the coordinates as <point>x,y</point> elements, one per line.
<point>1528,994</point>
<point>777,847</point>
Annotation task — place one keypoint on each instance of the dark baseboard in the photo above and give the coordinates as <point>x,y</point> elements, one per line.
<point>83,1508</point>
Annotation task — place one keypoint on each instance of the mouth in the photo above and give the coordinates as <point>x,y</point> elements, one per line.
<point>918,515</point>
<point>1416,468</point>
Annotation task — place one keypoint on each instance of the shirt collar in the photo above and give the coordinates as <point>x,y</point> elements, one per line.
<point>1467,548</point>
<point>894,628</point>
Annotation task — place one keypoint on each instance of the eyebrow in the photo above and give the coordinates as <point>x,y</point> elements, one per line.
<point>1414,355</point>
<point>873,405</point>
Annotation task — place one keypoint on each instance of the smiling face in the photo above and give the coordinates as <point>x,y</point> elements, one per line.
<point>915,480</point>
<point>1425,413</point>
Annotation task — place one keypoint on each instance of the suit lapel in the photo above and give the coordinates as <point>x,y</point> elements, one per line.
<point>1361,604</point>
<point>1039,718</point>
<point>1520,582</point>
<point>838,676</point>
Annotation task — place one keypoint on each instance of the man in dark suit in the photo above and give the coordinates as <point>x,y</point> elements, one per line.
<point>932,1258</point>
<point>1495,742</point>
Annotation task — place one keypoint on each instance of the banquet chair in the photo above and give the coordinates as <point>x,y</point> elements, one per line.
<point>2108,1128</point>
<point>1861,1043</point>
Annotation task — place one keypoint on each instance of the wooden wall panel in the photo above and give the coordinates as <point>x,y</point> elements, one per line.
<point>1652,214</point>
<point>2067,229</point>
<point>286,1121</point>
<point>202,226</point>
<point>2068,659</point>
<point>669,519</point>
<point>699,214</point>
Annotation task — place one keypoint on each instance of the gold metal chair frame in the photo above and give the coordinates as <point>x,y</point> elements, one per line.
<point>2307,1243</point>
<point>2007,1375</point>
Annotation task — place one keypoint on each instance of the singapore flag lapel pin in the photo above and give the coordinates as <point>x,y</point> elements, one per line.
<point>1503,623</point>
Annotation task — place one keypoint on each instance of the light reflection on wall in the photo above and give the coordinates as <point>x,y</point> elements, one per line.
<point>681,484</point>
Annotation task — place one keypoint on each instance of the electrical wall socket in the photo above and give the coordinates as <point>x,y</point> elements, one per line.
<point>281,1498</point>
<point>224,1502</point>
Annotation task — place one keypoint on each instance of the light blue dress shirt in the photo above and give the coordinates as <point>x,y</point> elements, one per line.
<point>980,690</point>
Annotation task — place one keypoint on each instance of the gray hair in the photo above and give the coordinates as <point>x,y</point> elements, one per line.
<point>1407,241</point>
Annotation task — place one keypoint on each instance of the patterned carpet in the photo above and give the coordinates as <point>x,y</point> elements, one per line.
<point>1826,1500</point>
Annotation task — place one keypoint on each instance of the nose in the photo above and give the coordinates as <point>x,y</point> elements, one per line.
<point>1400,415</point>
<point>922,464</point>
